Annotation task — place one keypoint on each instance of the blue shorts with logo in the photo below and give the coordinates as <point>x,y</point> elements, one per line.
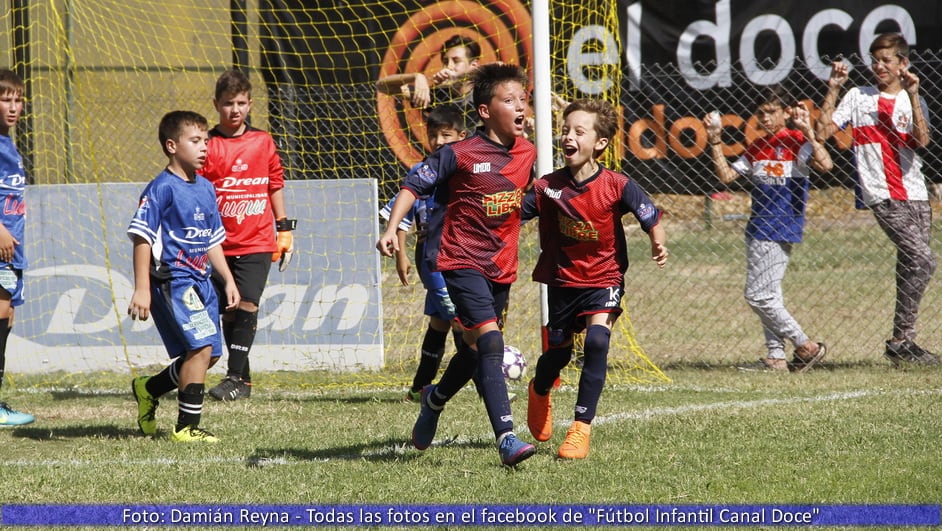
<point>12,281</point>
<point>186,312</point>
<point>477,299</point>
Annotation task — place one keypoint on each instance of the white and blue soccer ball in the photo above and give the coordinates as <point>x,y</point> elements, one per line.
<point>515,364</point>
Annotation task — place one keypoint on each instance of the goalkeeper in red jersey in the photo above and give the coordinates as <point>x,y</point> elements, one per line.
<point>583,260</point>
<point>244,166</point>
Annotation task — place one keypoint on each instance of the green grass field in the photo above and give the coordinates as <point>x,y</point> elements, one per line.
<point>853,431</point>
<point>863,434</point>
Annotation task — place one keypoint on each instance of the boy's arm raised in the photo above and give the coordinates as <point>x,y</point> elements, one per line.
<point>721,166</point>
<point>824,127</point>
<point>910,82</point>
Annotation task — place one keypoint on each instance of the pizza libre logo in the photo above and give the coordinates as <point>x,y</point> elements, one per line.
<point>502,203</point>
<point>578,229</point>
<point>503,29</point>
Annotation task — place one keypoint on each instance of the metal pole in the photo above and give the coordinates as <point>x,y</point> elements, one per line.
<point>543,109</point>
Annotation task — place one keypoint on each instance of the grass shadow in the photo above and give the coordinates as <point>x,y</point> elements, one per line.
<point>383,451</point>
<point>71,394</point>
<point>353,400</point>
<point>37,433</point>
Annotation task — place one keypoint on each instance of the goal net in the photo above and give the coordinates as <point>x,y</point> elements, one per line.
<point>101,73</point>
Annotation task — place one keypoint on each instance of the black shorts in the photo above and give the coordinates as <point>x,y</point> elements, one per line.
<point>477,299</point>
<point>250,272</point>
<point>568,307</point>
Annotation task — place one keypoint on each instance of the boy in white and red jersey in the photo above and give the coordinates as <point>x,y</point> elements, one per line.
<point>583,260</point>
<point>244,166</point>
<point>778,165</point>
<point>472,241</point>
<point>891,121</point>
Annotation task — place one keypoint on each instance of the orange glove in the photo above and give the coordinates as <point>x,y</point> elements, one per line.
<point>284,242</point>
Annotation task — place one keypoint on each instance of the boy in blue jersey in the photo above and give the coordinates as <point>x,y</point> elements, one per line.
<point>12,223</point>
<point>177,234</point>
<point>479,183</point>
<point>778,165</point>
<point>445,124</point>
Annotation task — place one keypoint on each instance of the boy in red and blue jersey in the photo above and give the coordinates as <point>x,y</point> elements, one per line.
<point>177,236</point>
<point>778,165</point>
<point>583,260</point>
<point>473,242</point>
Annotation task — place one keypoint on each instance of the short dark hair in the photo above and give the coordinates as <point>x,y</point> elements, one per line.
<point>487,78</point>
<point>775,95</point>
<point>894,41</point>
<point>232,82</point>
<point>11,82</point>
<point>172,124</point>
<point>474,49</point>
<point>443,117</point>
<point>606,118</point>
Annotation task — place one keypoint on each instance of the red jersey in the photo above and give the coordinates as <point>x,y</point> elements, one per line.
<point>482,184</point>
<point>245,170</point>
<point>582,240</point>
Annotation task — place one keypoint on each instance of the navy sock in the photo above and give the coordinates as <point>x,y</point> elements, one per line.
<point>548,367</point>
<point>166,380</point>
<point>240,341</point>
<point>433,348</point>
<point>491,353</point>
<point>190,405</point>
<point>5,329</point>
<point>456,375</point>
<point>594,369</point>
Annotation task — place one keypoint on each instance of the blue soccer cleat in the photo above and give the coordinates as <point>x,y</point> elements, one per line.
<point>427,424</point>
<point>513,451</point>
<point>11,417</point>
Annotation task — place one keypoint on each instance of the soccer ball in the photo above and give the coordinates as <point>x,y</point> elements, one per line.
<point>514,365</point>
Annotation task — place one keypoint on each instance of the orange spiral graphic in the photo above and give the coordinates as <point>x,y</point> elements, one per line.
<point>503,28</point>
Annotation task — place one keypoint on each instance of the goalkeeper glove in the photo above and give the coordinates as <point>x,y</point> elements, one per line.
<point>284,242</point>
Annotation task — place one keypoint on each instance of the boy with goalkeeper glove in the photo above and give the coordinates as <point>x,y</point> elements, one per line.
<point>244,166</point>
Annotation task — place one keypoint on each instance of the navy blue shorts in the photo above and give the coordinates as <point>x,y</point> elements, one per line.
<point>568,307</point>
<point>187,315</point>
<point>250,272</point>
<point>477,299</point>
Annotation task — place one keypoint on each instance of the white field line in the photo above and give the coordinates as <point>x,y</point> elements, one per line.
<point>646,414</point>
<point>749,404</point>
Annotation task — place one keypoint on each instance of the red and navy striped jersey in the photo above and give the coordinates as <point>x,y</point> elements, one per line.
<point>582,239</point>
<point>481,185</point>
<point>245,170</point>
